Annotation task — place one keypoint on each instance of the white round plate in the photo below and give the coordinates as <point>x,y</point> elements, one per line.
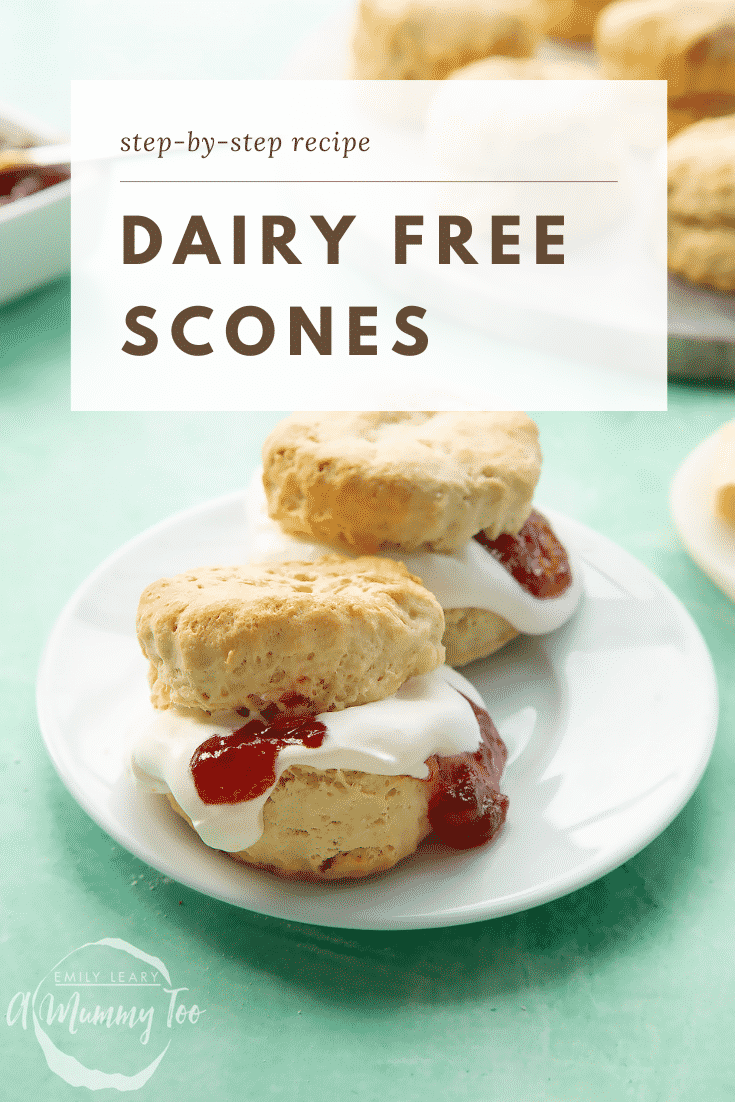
<point>709,540</point>
<point>609,723</point>
<point>33,231</point>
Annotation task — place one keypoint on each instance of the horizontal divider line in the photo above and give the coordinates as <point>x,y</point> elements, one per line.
<point>368,181</point>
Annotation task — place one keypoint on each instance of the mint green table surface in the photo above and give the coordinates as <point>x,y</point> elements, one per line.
<point>623,990</point>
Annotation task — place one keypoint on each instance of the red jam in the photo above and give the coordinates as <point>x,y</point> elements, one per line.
<point>230,768</point>
<point>19,182</point>
<point>534,557</point>
<point>467,808</point>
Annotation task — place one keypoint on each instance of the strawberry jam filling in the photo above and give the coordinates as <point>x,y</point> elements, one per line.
<point>534,557</point>
<point>230,768</point>
<point>466,807</point>
<point>19,182</point>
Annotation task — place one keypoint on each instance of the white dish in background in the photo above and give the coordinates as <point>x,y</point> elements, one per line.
<point>709,540</point>
<point>609,722</point>
<point>34,231</point>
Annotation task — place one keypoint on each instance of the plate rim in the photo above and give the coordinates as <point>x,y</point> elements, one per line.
<point>687,522</point>
<point>558,887</point>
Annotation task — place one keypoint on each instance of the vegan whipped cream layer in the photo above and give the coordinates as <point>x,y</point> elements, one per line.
<point>468,578</point>
<point>394,737</point>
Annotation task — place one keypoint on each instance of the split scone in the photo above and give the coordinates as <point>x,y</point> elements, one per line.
<point>701,188</point>
<point>303,722</point>
<point>691,46</point>
<point>427,39</point>
<point>448,494</point>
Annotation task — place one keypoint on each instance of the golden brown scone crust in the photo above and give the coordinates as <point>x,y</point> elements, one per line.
<point>572,20</point>
<point>687,110</point>
<point>427,39</point>
<point>372,482</point>
<point>527,68</point>
<point>337,824</point>
<point>704,255</point>
<point>691,45</point>
<point>472,633</point>
<point>337,632</point>
<point>701,176</point>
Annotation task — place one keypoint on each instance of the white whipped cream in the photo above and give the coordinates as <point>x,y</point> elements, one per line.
<point>392,737</point>
<point>468,578</point>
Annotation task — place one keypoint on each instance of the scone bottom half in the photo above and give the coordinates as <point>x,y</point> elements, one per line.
<point>330,824</point>
<point>317,824</point>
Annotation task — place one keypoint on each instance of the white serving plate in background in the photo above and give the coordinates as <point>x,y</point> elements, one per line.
<point>709,539</point>
<point>34,232</point>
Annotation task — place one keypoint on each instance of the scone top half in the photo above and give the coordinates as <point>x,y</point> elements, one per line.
<point>691,45</point>
<point>392,481</point>
<point>428,39</point>
<point>313,636</point>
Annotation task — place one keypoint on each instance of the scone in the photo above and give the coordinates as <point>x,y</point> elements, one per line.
<point>448,494</point>
<point>691,46</point>
<point>303,722</point>
<point>427,39</point>
<point>701,174</point>
<point>572,20</point>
